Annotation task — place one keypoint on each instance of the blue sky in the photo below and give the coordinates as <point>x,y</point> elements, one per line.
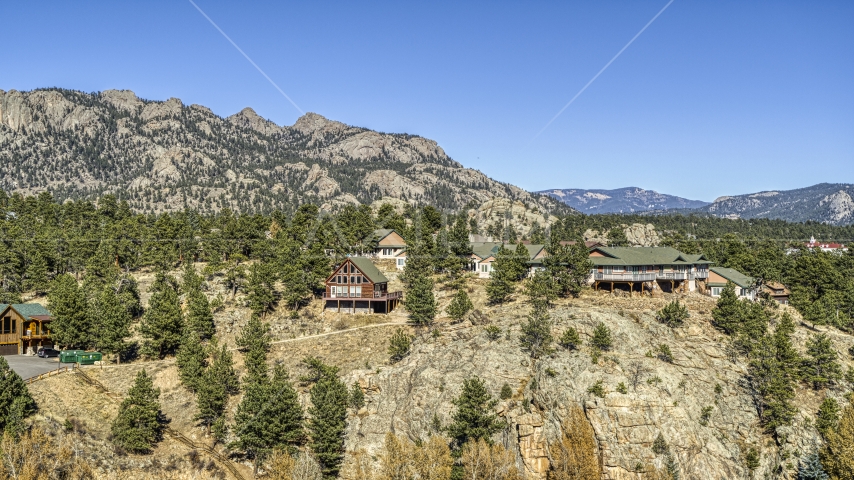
<point>714,98</point>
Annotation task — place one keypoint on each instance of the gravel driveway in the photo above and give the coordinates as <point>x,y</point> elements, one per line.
<point>30,366</point>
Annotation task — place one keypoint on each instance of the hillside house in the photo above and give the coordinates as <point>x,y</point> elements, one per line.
<point>357,286</point>
<point>647,268</point>
<point>826,246</point>
<point>24,327</point>
<point>483,255</point>
<point>385,243</point>
<point>745,287</point>
<point>776,291</point>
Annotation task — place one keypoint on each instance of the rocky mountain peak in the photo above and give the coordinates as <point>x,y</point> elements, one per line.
<point>248,118</point>
<point>313,122</point>
<point>122,99</point>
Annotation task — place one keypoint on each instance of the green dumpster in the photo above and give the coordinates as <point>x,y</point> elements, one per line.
<point>89,358</point>
<point>69,356</point>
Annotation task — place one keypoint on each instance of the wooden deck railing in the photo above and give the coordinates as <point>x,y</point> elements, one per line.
<point>376,296</point>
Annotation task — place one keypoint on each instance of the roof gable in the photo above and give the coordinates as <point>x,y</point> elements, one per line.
<point>368,269</point>
<point>26,310</point>
<point>734,276</point>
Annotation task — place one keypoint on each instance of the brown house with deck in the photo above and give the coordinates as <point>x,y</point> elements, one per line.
<point>24,327</point>
<point>357,286</point>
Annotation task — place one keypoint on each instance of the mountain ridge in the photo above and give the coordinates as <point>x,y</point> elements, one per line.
<point>166,156</point>
<point>620,200</point>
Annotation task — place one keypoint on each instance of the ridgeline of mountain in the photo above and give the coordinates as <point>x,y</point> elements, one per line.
<point>165,156</point>
<point>620,200</point>
<point>830,203</point>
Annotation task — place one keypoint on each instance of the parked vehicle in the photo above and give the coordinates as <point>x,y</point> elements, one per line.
<point>47,352</point>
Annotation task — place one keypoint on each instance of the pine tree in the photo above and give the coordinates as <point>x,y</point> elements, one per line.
<point>570,339</point>
<point>536,337</point>
<point>837,454</point>
<point>811,468</point>
<point>283,413</point>
<point>15,400</point>
<point>67,304</point>
<point>820,367</point>
<point>192,361</point>
<point>617,238</point>
<point>601,337</point>
<point>420,301</point>
<point>36,276</point>
<point>473,419</point>
<point>460,305</point>
<point>249,426</point>
<point>568,266</point>
<point>254,340</point>
<point>504,274</point>
<point>112,322</point>
<point>520,261</point>
<point>540,290</point>
<point>673,314</point>
<point>222,368</point>
<point>772,386</point>
<point>211,398</point>
<point>458,241</point>
<point>728,311</point>
<point>399,345</point>
<point>261,291</point>
<point>328,421</point>
<point>163,324</point>
<point>827,417</point>
<point>787,356</point>
<point>199,316</point>
<point>138,426</point>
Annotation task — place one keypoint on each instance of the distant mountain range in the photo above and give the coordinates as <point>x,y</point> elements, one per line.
<point>620,200</point>
<point>831,203</point>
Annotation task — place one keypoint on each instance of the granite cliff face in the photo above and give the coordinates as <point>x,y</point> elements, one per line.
<point>165,156</point>
<point>667,399</point>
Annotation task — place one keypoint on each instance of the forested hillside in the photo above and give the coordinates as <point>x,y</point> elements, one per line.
<point>167,156</point>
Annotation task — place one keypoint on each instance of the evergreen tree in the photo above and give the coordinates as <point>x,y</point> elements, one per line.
<point>820,367</point>
<point>503,276</point>
<point>772,387</point>
<point>473,419</point>
<point>568,266</point>
<point>283,413</point>
<point>163,324</point>
<point>753,327</point>
<point>570,339</point>
<point>398,345</point>
<point>520,261</point>
<point>419,260</point>
<point>211,398</point>
<point>540,290</point>
<point>420,301</point>
<point>673,314</point>
<point>15,400</point>
<point>199,316</point>
<point>536,337</point>
<point>837,454</point>
<point>328,421</point>
<point>68,308</point>
<point>787,356</point>
<point>458,241</point>
<point>728,311</point>
<point>262,293</point>
<point>138,425</point>
<point>191,280</point>
<point>36,276</point>
<point>601,337</point>
<point>827,417</point>
<point>222,368</point>
<point>617,238</point>
<point>192,361</point>
<point>460,305</point>
<point>250,427</point>
<point>112,322</point>
<point>357,396</point>
<point>811,468</point>
<point>254,340</point>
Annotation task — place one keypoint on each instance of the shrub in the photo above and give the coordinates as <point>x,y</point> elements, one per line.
<point>399,345</point>
<point>493,333</point>
<point>751,460</point>
<point>621,387</point>
<point>673,315</point>
<point>460,305</point>
<point>597,389</point>
<point>659,446</point>
<point>506,392</point>
<point>664,353</point>
<point>357,397</point>
<point>550,372</point>
<point>570,339</point>
<point>601,337</point>
<point>536,337</point>
<point>705,415</point>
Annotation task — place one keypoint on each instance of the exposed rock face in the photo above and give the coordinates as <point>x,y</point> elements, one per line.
<point>638,235</point>
<point>840,207</point>
<point>136,148</point>
<point>668,398</point>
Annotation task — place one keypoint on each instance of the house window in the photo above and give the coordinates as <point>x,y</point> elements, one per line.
<point>355,292</point>
<point>609,269</point>
<point>484,268</point>
<point>716,291</point>
<point>8,325</point>
<point>400,261</point>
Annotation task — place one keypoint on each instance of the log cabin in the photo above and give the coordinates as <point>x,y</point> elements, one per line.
<point>24,327</point>
<point>357,286</point>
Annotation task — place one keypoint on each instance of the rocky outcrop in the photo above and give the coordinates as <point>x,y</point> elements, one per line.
<point>840,207</point>
<point>640,235</point>
<point>666,398</point>
<point>247,118</point>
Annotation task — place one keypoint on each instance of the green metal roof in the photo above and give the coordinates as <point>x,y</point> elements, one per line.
<point>488,249</point>
<point>639,256</point>
<point>27,310</point>
<point>733,276</point>
<point>368,269</point>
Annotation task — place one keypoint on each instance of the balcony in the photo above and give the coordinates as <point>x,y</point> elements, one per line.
<point>624,277</point>
<point>377,296</point>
